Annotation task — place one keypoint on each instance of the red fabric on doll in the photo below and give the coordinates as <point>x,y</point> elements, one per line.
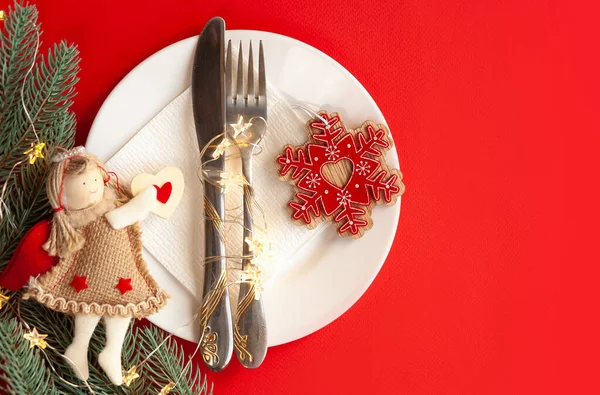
<point>29,259</point>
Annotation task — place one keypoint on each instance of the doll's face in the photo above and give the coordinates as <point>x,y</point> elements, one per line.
<point>85,189</point>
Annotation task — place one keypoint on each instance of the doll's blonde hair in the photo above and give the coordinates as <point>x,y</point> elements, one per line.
<point>64,239</point>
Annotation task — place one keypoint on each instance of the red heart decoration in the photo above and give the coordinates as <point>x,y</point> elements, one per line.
<point>164,193</point>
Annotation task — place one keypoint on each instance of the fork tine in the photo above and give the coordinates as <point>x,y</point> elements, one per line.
<point>262,79</point>
<point>228,72</point>
<point>239,87</point>
<point>251,95</point>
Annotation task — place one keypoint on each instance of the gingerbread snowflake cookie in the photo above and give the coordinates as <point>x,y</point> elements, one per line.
<point>340,174</point>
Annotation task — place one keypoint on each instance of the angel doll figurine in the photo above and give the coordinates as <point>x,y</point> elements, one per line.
<point>100,274</point>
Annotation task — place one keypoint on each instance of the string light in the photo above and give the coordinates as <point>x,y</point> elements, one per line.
<point>167,388</point>
<point>36,339</point>
<point>221,148</point>
<point>258,289</point>
<point>35,152</point>
<point>2,15</point>
<point>251,274</point>
<point>130,376</point>
<point>240,127</point>
<point>229,179</point>
<point>3,298</point>
<point>258,243</point>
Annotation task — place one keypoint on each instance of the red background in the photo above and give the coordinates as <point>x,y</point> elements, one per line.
<point>492,105</point>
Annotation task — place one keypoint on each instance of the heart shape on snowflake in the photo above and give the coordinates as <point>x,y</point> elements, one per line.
<point>169,186</point>
<point>338,173</point>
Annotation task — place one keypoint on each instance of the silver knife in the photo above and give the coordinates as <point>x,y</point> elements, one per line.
<point>208,101</point>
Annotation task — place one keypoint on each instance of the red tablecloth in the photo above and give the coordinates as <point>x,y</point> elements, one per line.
<point>483,291</point>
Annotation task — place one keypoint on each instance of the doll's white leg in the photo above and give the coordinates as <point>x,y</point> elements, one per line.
<point>76,354</point>
<point>110,357</point>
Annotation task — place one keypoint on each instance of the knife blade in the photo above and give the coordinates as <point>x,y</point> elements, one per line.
<point>208,102</point>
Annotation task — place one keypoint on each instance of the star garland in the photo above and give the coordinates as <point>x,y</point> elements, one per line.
<point>35,152</point>
<point>36,339</point>
<point>167,388</point>
<point>3,298</point>
<point>130,375</point>
<point>240,127</point>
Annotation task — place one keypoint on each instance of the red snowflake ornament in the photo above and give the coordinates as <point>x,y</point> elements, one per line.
<point>340,174</point>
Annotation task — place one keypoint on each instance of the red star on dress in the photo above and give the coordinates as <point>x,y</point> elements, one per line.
<point>124,285</point>
<point>79,283</point>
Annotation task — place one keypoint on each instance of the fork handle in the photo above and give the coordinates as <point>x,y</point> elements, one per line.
<point>251,327</point>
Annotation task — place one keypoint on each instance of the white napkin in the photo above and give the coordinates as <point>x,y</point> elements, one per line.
<point>169,139</point>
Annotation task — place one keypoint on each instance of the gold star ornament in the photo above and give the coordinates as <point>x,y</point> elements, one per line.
<point>229,179</point>
<point>36,339</point>
<point>258,243</point>
<point>258,290</point>
<point>240,127</point>
<point>35,152</point>
<point>221,148</point>
<point>3,298</point>
<point>167,388</point>
<point>251,274</point>
<point>130,375</point>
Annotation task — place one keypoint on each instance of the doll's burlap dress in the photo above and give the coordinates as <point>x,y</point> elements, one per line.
<point>107,276</point>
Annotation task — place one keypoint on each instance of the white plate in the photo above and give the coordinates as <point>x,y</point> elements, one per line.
<point>334,273</point>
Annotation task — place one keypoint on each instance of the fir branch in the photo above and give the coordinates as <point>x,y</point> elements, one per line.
<point>15,50</point>
<point>23,369</point>
<point>168,364</point>
<point>47,95</point>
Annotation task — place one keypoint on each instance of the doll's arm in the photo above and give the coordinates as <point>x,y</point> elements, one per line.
<point>133,211</point>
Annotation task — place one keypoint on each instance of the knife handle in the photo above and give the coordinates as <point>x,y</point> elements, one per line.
<point>217,341</point>
<point>251,326</point>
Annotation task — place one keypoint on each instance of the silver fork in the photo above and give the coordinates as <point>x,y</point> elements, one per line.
<point>249,102</point>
